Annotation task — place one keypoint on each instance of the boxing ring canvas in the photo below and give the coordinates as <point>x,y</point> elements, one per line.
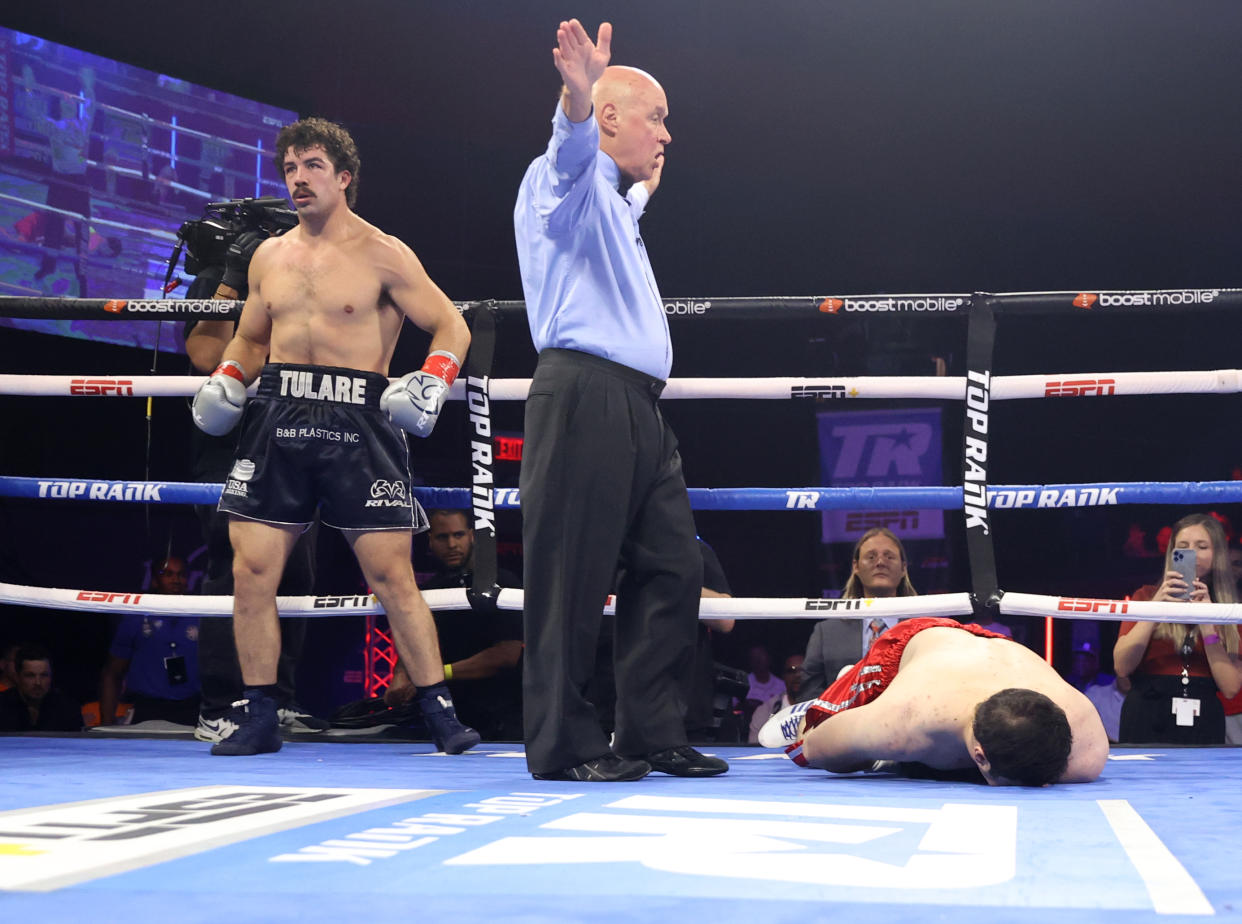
<point>112,829</point>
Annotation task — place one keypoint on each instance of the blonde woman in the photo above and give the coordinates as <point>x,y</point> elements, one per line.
<point>879,569</point>
<point>1176,670</point>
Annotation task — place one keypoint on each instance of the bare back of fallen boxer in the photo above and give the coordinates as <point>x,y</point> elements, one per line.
<point>951,697</point>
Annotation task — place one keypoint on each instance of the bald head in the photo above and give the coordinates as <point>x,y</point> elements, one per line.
<point>620,84</point>
<point>631,107</point>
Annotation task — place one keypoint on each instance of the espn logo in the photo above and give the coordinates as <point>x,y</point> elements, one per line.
<point>817,391</point>
<point>1087,605</point>
<point>101,387</point>
<point>103,596</point>
<point>1076,388</point>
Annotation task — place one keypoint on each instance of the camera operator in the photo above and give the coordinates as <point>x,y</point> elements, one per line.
<point>212,457</point>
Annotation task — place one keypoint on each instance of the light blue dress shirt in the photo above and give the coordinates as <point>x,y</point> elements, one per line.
<point>585,274</point>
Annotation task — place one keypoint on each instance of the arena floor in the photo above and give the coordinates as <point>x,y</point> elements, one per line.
<point>137,829</point>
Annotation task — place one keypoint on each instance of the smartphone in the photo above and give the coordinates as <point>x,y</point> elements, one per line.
<point>1185,562</point>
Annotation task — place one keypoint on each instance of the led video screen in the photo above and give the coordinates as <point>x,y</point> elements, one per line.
<point>100,163</point>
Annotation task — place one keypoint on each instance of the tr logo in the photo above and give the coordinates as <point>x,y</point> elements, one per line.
<point>879,450</point>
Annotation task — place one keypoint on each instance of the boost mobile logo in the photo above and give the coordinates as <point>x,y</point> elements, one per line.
<point>892,303</point>
<point>155,306</point>
<point>1141,299</point>
<point>686,307</point>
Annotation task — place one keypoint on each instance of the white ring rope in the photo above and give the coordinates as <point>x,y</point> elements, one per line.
<point>104,601</point>
<point>1018,604</point>
<point>947,388</point>
<point>952,605</point>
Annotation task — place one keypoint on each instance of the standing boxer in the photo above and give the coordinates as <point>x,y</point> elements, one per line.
<point>326,301</point>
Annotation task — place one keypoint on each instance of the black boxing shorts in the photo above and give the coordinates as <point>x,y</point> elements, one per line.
<point>315,437</point>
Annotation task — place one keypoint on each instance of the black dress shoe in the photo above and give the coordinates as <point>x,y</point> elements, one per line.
<point>686,761</point>
<point>607,769</point>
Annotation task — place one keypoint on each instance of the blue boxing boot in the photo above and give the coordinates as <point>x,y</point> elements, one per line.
<point>258,726</point>
<point>446,729</point>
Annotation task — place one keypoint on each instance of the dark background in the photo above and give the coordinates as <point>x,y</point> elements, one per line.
<point>818,148</point>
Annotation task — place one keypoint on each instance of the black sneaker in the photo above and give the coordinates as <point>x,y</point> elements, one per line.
<point>607,769</point>
<point>446,729</point>
<point>685,761</point>
<point>258,727</point>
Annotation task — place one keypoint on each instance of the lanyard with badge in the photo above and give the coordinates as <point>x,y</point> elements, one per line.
<point>1184,708</point>
<point>174,664</point>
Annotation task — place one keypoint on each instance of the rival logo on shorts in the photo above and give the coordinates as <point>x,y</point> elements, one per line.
<point>101,387</point>
<point>1155,299</point>
<point>1076,388</point>
<point>386,493</point>
<point>686,307</point>
<point>833,305</point>
<point>834,606</point>
<point>822,391</point>
<point>1088,605</point>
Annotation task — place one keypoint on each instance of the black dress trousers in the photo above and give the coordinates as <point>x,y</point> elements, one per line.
<point>602,487</point>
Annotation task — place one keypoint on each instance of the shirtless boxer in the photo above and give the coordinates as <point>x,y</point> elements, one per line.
<point>948,696</point>
<point>325,305</point>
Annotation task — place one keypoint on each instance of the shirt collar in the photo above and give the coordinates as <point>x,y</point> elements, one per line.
<point>612,173</point>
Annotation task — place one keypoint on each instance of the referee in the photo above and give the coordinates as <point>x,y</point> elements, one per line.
<point>601,478</point>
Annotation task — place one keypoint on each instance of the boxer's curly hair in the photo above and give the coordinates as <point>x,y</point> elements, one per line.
<point>1025,735</point>
<point>334,139</point>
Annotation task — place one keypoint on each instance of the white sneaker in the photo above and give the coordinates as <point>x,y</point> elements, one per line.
<point>782,728</point>
<point>292,718</point>
<point>213,729</point>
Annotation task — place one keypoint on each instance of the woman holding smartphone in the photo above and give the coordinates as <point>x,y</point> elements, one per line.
<point>1175,670</point>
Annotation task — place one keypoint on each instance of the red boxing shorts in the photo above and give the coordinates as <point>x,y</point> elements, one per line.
<point>870,677</point>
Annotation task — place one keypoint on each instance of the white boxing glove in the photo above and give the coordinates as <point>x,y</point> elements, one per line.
<point>413,402</point>
<point>219,402</point>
